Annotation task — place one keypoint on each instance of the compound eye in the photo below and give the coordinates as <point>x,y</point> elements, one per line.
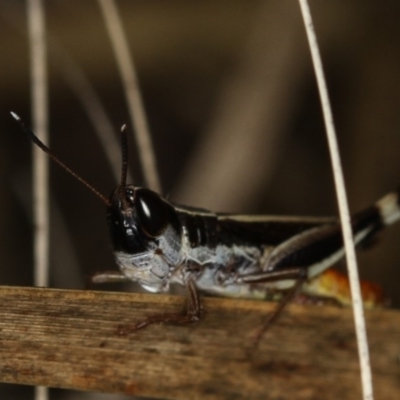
<point>152,212</point>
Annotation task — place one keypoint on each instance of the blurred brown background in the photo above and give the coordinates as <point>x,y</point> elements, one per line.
<point>233,109</point>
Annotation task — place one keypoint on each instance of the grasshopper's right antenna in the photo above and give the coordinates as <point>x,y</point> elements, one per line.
<point>125,156</point>
<point>43,147</point>
<point>124,167</point>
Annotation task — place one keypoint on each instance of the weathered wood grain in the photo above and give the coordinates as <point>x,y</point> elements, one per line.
<point>69,339</point>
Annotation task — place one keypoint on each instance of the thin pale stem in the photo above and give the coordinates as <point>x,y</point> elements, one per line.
<point>36,26</point>
<point>132,92</point>
<point>358,311</point>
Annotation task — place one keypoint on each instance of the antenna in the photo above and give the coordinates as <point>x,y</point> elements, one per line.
<point>124,168</point>
<point>43,147</point>
<point>125,156</point>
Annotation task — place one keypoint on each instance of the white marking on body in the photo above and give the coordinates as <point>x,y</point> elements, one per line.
<point>170,244</point>
<point>196,212</point>
<point>389,208</point>
<point>279,218</point>
<point>320,267</point>
<point>150,270</point>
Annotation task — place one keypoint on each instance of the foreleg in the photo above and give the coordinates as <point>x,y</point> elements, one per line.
<point>191,314</point>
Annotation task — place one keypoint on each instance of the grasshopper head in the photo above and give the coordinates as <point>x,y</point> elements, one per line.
<point>145,234</point>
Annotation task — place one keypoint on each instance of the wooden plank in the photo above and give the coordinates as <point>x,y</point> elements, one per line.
<point>69,339</point>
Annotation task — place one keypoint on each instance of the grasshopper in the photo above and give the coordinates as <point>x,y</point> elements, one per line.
<point>158,243</point>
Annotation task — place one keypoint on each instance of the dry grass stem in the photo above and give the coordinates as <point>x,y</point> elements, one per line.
<point>37,37</point>
<point>362,341</point>
<point>132,93</point>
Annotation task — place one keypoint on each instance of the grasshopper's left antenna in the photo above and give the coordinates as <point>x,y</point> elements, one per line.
<point>43,147</point>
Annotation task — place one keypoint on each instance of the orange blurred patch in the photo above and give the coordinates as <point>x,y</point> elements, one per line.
<point>335,285</point>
